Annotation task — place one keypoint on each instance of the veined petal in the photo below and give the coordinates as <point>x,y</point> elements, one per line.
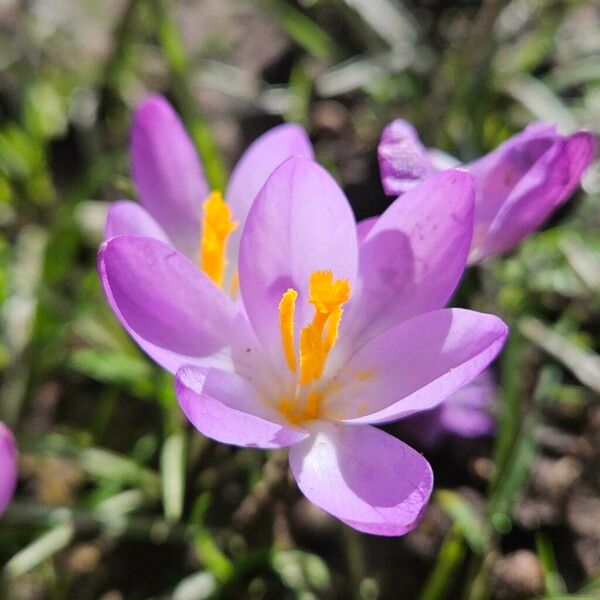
<point>167,172</point>
<point>363,476</point>
<point>171,309</point>
<point>254,167</point>
<point>496,173</point>
<point>467,413</point>
<point>536,181</point>
<point>520,183</point>
<point>225,407</point>
<point>8,466</point>
<point>364,227</point>
<point>442,160</point>
<point>403,160</point>
<point>415,365</point>
<point>414,256</point>
<point>130,218</point>
<point>300,223</point>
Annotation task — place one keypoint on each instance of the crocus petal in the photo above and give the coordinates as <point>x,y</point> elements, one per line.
<point>363,476</point>
<point>129,218</point>
<point>442,160</point>
<point>423,429</point>
<point>498,172</point>
<point>8,466</point>
<point>403,160</point>
<point>300,223</point>
<point>413,258</point>
<point>467,413</point>
<point>174,312</point>
<point>522,182</point>
<point>254,167</point>
<point>167,173</point>
<point>364,227</point>
<point>227,408</point>
<point>415,365</point>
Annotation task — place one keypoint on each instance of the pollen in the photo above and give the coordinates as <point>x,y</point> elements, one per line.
<point>287,309</point>
<point>327,295</point>
<point>317,339</point>
<point>217,225</point>
<point>297,412</point>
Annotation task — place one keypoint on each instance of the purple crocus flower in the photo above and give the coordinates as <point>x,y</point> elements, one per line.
<point>8,466</point>
<point>329,338</point>
<point>517,186</point>
<point>177,206</point>
<point>466,414</point>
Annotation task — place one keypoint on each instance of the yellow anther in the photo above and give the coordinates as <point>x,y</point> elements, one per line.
<point>327,294</point>
<point>312,353</point>
<point>333,327</point>
<point>313,406</point>
<point>217,225</point>
<point>287,309</point>
<point>296,412</point>
<point>317,339</point>
<point>234,288</point>
<point>286,408</point>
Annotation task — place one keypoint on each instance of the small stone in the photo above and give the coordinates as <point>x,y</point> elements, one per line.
<point>330,116</point>
<point>84,558</point>
<point>518,576</point>
<point>308,517</point>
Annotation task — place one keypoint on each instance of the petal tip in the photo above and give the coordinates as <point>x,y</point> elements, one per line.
<point>152,106</point>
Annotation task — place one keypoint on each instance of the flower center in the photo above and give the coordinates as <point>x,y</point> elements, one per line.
<point>327,295</point>
<point>217,225</point>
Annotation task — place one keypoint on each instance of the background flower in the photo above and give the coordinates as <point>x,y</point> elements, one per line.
<point>276,378</point>
<point>469,413</point>
<point>518,185</point>
<point>8,466</point>
<point>171,184</point>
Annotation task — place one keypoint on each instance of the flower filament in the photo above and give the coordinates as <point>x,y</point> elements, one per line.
<point>327,295</point>
<point>217,225</point>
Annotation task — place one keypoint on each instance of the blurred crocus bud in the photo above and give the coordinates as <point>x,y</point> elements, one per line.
<point>518,185</point>
<point>403,160</point>
<point>522,182</point>
<point>8,466</point>
<point>467,413</point>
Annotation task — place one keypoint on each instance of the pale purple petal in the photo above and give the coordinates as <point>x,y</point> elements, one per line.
<point>300,223</point>
<point>8,466</point>
<point>172,310</point>
<point>522,182</point>
<point>129,218</point>
<point>424,429</point>
<point>364,227</point>
<point>498,172</point>
<point>415,365</point>
<point>442,160</point>
<point>403,160</point>
<point>363,476</point>
<point>227,408</point>
<point>167,172</point>
<point>413,258</point>
<point>467,413</point>
<point>254,167</point>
